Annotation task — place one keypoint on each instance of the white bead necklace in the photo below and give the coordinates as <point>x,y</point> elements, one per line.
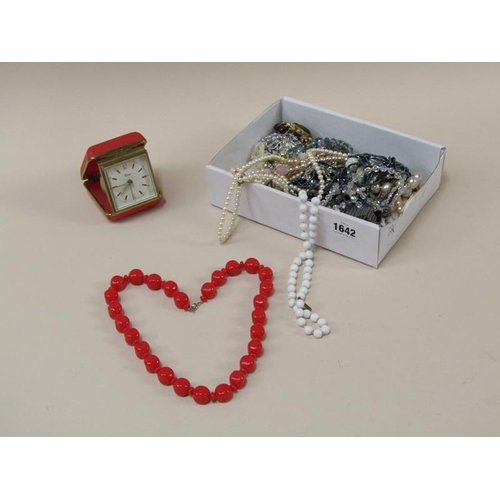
<point>308,218</point>
<point>308,222</point>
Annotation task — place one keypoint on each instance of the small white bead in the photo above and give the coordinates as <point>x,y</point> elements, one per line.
<point>303,290</point>
<point>318,333</point>
<point>307,313</point>
<point>308,330</point>
<point>302,256</point>
<point>315,201</point>
<point>314,317</point>
<point>306,276</point>
<point>291,295</point>
<point>325,329</point>
<point>321,322</point>
<point>301,304</point>
<point>306,284</point>
<point>291,302</point>
<point>312,225</point>
<point>292,274</point>
<point>290,288</point>
<point>297,261</point>
<point>303,207</point>
<point>294,267</point>
<point>313,210</point>
<point>303,226</point>
<point>308,269</point>
<point>301,295</point>
<point>303,217</point>
<point>306,244</point>
<point>312,241</point>
<point>302,195</point>
<point>292,281</point>
<point>304,236</point>
<point>309,262</point>
<point>313,234</point>
<point>299,312</point>
<point>301,321</point>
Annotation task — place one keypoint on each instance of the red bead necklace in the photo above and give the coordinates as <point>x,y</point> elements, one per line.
<point>182,387</point>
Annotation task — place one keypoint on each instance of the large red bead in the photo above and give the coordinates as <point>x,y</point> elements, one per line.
<point>252,265</point>
<point>111,295</point>
<point>152,363</point>
<point>257,331</point>
<point>136,277</point>
<point>219,277</point>
<point>169,287</point>
<point>181,300</point>
<point>131,335</point>
<point>122,322</point>
<point>259,317</point>
<point>142,349</point>
<point>265,274</point>
<point>154,282</point>
<point>266,288</point>
<point>238,378</point>
<point>255,347</point>
<point>114,309</point>
<point>181,387</point>
<point>248,363</point>
<point>165,375</point>
<point>260,301</point>
<point>118,283</point>
<point>201,395</point>
<point>223,393</point>
<point>209,290</point>
<point>233,268</point>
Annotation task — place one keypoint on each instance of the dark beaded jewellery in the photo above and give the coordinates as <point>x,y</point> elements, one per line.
<point>367,186</point>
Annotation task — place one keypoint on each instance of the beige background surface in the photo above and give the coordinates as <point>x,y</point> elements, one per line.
<point>415,347</point>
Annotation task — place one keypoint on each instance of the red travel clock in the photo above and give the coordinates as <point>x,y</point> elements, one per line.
<point>118,175</point>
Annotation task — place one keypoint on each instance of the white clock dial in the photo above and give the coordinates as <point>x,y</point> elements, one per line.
<point>131,182</point>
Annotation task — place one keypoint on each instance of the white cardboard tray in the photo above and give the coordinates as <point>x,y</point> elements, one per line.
<point>369,243</point>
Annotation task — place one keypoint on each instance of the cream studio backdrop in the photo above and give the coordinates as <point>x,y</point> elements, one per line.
<point>414,347</point>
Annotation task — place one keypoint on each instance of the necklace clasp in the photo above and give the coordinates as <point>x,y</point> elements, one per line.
<point>194,306</point>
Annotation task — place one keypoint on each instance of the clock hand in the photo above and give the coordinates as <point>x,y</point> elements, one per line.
<point>130,182</point>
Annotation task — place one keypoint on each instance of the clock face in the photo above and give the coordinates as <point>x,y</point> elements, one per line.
<point>130,182</point>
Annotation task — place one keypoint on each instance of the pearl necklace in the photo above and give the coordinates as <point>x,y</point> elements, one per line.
<point>308,226</point>
<point>240,177</point>
<point>297,166</point>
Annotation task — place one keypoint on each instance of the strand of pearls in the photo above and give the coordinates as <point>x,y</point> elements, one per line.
<point>257,175</point>
<point>308,218</point>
